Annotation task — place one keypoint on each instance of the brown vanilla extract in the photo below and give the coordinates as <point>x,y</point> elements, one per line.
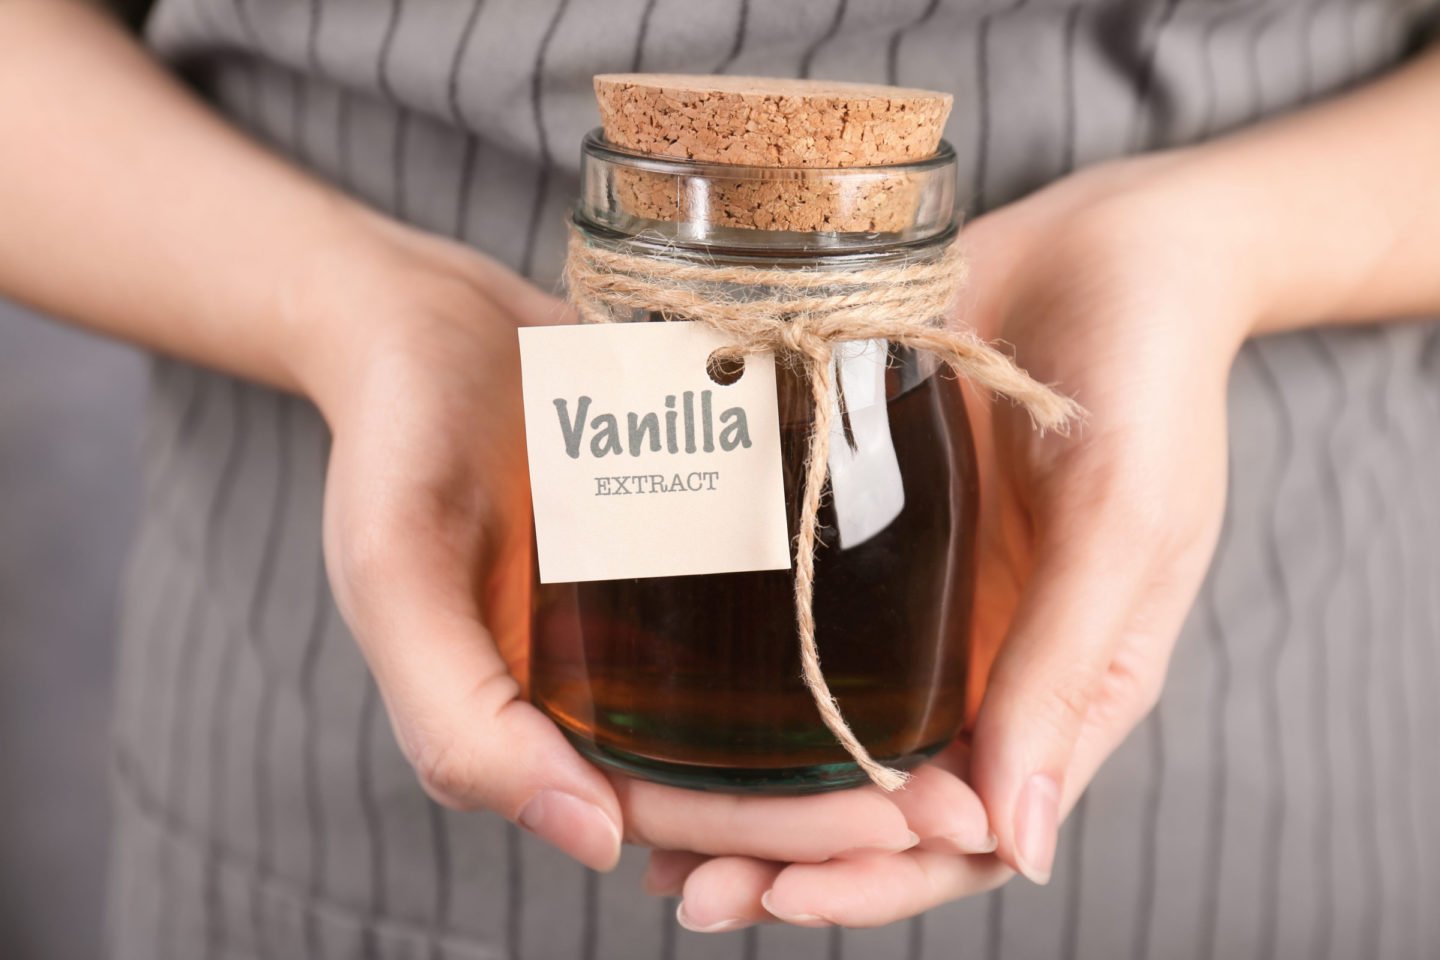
<point>696,680</point>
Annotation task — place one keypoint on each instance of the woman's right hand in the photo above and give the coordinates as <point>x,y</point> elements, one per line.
<point>411,353</point>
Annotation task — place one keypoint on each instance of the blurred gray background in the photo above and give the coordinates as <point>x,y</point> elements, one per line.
<point>69,492</point>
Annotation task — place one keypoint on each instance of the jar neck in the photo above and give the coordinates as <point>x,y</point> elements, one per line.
<point>788,214</point>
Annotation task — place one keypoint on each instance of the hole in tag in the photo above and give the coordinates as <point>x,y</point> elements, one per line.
<point>724,369</point>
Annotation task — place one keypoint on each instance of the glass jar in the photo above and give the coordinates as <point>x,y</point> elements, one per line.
<point>696,680</point>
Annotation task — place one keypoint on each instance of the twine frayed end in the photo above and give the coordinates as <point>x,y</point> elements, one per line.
<point>1058,414</point>
<point>886,778</point>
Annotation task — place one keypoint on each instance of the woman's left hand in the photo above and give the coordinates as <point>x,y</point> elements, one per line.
<point>1117,286</point>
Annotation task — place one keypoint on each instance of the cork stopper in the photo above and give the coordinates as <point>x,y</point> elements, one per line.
<point>772,123</point>
<point>755,121</point>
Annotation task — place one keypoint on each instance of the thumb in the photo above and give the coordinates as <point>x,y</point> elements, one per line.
<point>1055,656</point>
<point>455,708</point>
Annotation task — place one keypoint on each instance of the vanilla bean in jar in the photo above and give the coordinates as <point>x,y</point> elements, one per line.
<point>697,680</point>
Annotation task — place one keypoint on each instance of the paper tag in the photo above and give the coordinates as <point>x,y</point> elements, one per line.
<point>641,465</point>
<point>865,481</point>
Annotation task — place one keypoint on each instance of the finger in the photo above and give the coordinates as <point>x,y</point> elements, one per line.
<point>804,829</point>
<point>877,890</point>
<point>514,294</point>
<point>667,870</point>
<point>724,894</point>
<point>944,812</point>
<point>1084,584</point>
<point>1135,678</point>
<point>454,706</point>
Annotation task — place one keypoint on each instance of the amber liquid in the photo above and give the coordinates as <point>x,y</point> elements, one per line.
<point>696,680</point>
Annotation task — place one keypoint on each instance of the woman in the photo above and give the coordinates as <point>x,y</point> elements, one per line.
<point>1274,805</point>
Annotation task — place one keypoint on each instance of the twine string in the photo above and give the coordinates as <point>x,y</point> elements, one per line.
<point>803,313</point>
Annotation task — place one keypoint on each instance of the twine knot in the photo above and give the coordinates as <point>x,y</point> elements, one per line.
<point>802,313</point>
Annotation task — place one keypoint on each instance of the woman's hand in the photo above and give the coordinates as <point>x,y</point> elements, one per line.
<point>1121,293</point>
<point>412,356</point>
<point>1120,288</point>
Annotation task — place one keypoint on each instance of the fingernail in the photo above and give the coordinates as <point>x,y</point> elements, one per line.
<point>911,839</point>
<point>987,845</point>
<point>576,826</point>
<point>719,926</point>
<point>1037,818</point>
<point>798,919</point>
<point>967,846</point>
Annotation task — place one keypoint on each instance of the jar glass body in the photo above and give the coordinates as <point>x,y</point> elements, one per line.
<point>696,680</point>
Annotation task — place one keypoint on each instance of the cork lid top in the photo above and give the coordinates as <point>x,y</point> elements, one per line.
<point>771,122</point>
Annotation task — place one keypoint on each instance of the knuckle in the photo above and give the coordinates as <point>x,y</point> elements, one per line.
<point>453,759</point>
<point>443,773</point>
<point>1130,692</point>
<point>1138,685</point>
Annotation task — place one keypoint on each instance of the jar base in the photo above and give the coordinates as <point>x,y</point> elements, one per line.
<point>814,778</point>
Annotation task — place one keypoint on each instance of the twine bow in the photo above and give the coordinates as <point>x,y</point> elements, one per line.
<point>804,312</point>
